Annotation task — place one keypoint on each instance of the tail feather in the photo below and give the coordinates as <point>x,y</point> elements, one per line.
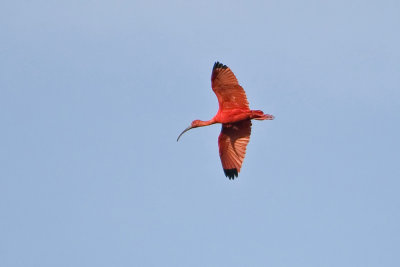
<point>259,115</point>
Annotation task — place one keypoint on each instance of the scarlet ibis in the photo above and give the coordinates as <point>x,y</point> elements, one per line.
<point>235,116</point>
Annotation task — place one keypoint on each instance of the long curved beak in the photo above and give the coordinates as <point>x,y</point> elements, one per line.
<point>184,131</point>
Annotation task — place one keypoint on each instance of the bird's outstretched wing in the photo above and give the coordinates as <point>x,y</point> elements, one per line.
<point>225,85</point>
<point>232,144</point>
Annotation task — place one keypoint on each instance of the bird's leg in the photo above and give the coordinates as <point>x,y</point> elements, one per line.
<point>268,117</point>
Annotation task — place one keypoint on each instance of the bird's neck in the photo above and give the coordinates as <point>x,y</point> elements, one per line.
<point>206,123</point>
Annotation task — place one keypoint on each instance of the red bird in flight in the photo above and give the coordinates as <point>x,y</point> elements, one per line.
<point>235,115</point>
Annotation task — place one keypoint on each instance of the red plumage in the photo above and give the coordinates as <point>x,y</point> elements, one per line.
<point>235,115</point>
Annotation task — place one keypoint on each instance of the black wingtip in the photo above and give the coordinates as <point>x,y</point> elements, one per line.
<point>231,173</point>
<point>218,65</point>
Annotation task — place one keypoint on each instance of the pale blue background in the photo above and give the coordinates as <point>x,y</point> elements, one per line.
<point>94,93</point>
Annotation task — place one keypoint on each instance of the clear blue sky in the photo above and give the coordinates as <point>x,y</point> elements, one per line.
<point>93,95</point>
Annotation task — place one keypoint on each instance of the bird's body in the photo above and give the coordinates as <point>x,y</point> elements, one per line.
<point>235,116</point>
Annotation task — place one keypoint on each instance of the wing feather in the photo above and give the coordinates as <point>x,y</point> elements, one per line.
<point>225,85</point>
<point>232,144</point>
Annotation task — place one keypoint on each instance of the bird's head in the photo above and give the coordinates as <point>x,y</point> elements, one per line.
<point>194,124</point>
